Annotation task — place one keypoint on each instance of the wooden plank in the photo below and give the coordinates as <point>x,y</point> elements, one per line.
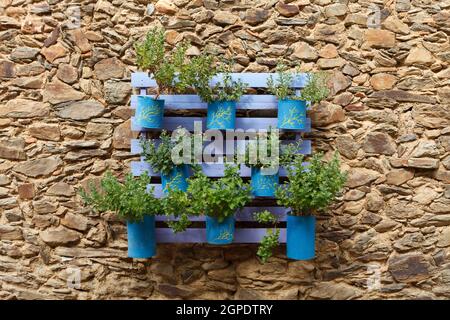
<point>198,235</point>
<point>192,101</point>
<point>305,148</point>
<point>245,214</point>
<point>213,170</point>
<point>254,80</point>
<point>171,123</point>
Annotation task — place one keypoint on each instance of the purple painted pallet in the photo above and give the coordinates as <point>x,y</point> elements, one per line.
<point>198,235</point>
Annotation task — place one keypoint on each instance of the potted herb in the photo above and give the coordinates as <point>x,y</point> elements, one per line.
<point>221,97</point>
<point>292,108</point>
<point>311,188</point>
<point>271,238</point>
<point>219,200</point>
<point>131,201</point>
<point>160,155</point>
<point>264,165</point>
<point>165,69</point>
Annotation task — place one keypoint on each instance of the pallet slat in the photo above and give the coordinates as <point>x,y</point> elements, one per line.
<point>172,123</point>
<point>254,80</point>
<point>305,148</point>
<point>198,235</point>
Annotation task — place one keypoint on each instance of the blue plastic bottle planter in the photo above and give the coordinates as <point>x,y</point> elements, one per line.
<point>219,233</point>
<point>263,185</point>
<point>141,238</point>
<point>149,112</point>
<point>177,179</point>
<point>300,240</point>
<point>291,114</point>
<point>221,115</point>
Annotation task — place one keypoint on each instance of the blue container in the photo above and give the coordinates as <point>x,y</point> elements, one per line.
<point>177,179</point>
<point>291,114</point>
<point>141,238</point>
<point>300,239</point>
<point>219,232</point>
<point>149,112</point>
<point>263,185</point>
<point>221,115</point>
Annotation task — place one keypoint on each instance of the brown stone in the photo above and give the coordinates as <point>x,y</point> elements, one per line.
<point>379,143</point>
<point>360,177</point>
<point>420,163</point>
<point>338,82</point>
<point>324,114</point>
<point>331,290</point>
<point>67,73</point>
<point>30,69</point>
<point>329,51</point>
<point>224,18</point>
<point>81,110</point>
<point>304,51</point>
<point>29,82</point>
<point>403,96</point>
<point>166,7</point>
<point>382,81</point>
<point>61,189</point>
<point>109,68</point>
<point>60,237</point>
<point>287,10</point>
<point>58,92</point>
<point>330,63</point>
<point>23,108</point>
<point>122,135</point>
<point>336,9</point>
<point>173,291</point>
<point>256,16</point>
<point>75,221</point>
<point>399,176</point>
<point>99,131</point>
<point>26,191</point>
<point>77,36</point>
<point>8,232</point>
<point>8,23</point>
<point>53,52</point>
<point>412,267</point>
<point>45,131</point>
<point>117,92</point>
<point>419,56</point>
<point>38,167</point>
<point>347,146</point>
<point>7,69</point>
<point>395,25</point>
<point>377,38</point>
<point>23,53</point>
<point>12,149</point>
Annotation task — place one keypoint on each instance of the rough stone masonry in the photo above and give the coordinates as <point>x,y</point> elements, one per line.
<point>64,119</point>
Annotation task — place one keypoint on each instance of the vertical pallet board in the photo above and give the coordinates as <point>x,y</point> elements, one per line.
<point>264,102</point>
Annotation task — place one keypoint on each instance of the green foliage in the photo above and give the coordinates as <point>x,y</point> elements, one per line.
<point>219,198</point>
<point>168,70</point>
<point>253,159</point>
<point>160,156</point>
<point>281,87</point>
<point>316,90</point>
<point>312,188</point>
<point>270,240</point>
<point>129,200</point>
<point>177,204</point>
<point>203,68</point>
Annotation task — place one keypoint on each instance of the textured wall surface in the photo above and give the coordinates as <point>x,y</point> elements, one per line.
<point>64,120</point>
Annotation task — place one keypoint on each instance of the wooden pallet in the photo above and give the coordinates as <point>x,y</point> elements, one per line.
<point>140,81</point>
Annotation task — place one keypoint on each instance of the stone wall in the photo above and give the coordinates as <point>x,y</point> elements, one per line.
<point>64,120</point>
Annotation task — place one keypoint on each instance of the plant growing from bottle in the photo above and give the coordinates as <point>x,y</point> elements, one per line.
<point>292,107</point>
<point>132,201</point>
<point>310,189</point>
<point>168,70</point>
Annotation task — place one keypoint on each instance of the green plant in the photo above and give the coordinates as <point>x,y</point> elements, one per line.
<point>203,68</point>
<point>313,187</point>
<point>253,152</point>
<point>315,90</point>
<point>177,204</point>
<point>167,70</point>
<point>218,198</point>
<point>129,200</point>
<point>270,239</point>
<point>160,156</point>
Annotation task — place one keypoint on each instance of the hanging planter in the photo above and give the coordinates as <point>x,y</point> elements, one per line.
<point>149,112</point>
<point>263,185</point>
<point>221,115</point>
<point>220,232</point>
<point>300,238</point>
<point>141,238</point>
<point>176,179</point>
<point>291,114</point>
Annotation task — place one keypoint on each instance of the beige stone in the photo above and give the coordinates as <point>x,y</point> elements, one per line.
<point>419,56</point>
<point>383,81</point>
<point>378,38</point>
<point>53,52</point>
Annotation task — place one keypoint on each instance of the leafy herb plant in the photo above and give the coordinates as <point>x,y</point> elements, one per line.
<point>129,200</point>
<point>254,151</point>
<point>311,188</point>
<point>270,240</point>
